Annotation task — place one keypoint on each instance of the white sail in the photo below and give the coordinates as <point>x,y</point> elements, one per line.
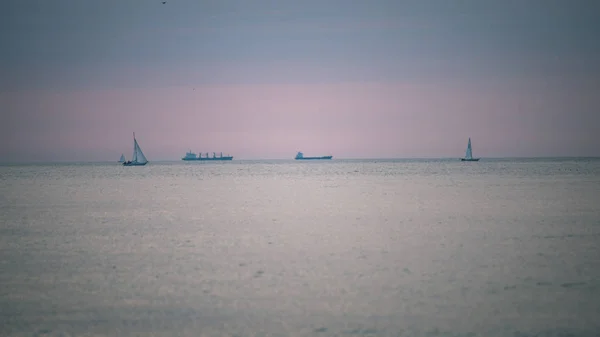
<point>122,158</point>
<point>469,153</point>
<point>138,158</point>
<point>138,155</point>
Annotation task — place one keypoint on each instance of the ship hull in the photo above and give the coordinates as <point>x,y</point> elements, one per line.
<point>207,159</point>
<point>315,158</point>
<point>466,159</point>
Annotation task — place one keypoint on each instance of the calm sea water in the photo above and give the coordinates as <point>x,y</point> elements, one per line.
<point>340,248</point>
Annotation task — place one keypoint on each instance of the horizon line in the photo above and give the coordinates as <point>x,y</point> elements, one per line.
<point>292,159</point>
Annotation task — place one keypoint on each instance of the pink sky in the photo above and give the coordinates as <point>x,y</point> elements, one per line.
<point>347,120</point>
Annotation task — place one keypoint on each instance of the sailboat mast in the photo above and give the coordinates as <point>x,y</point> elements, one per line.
<point>134,157</point>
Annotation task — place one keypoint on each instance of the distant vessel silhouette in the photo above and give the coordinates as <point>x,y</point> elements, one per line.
<point>192,156</point>
<point>138,158</point>
<point>469,153</point>
<point>300,156</point>
<point>122,160</point>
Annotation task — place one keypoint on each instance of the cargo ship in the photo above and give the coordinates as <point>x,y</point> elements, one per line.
<point>300,156</point>
<point>192,156</point>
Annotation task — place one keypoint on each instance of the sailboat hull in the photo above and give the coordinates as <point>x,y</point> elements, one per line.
<point>134,164</point>
<point>469,159</point>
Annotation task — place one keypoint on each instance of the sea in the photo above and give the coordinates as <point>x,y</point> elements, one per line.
<point>428,247</point>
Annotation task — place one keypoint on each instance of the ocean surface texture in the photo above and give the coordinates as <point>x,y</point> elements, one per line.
<point>285,248</point>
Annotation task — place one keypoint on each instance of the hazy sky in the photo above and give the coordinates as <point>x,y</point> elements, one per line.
<point>264,79</point>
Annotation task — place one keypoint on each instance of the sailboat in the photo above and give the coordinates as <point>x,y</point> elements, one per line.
<point>138,158</point>
<point>122,160</point>
<point>469,153</point>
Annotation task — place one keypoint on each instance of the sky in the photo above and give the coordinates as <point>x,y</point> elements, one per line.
<point>264,79</point>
